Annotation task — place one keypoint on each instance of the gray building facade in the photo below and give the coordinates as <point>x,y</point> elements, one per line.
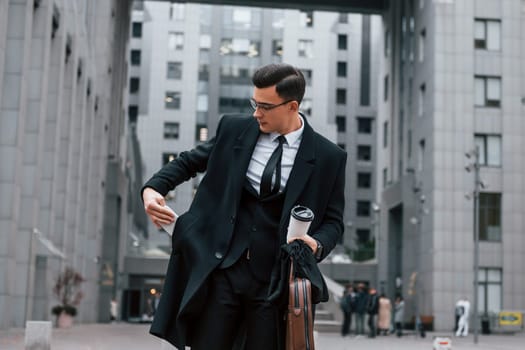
<point>451,81</point>
<point>63,152</point>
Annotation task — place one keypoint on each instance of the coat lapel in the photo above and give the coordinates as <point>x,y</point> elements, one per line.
<point>301,171</point>
<point>242,153</point>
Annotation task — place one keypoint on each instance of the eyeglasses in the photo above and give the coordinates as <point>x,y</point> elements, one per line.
<point>265,107</point>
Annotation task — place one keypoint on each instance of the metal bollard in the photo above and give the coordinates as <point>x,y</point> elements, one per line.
<point>38,335</point>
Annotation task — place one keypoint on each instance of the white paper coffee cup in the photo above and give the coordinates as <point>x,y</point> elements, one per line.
<point>300,219</point>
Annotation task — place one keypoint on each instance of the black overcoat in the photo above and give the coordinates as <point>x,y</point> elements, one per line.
<point>202,235</point>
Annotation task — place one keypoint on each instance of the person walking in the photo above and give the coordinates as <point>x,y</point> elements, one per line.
<point>361,300</point>
<point>347,305</point>
<point>464,309</point>
<point>384,315</point>
<point>399,314</point>
<point>226,247</point>
<point>372,307</point>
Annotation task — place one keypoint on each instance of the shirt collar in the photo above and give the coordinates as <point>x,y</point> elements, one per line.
<point>291,137</point>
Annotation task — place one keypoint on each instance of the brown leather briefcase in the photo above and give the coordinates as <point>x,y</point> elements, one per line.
<point>299,319</point>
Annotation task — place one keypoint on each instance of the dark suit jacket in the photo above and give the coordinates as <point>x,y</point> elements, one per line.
<point>202,235</point>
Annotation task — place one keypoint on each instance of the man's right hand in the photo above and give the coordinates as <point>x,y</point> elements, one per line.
<point>154,205</point>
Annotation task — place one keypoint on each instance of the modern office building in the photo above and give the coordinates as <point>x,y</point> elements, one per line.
<point>66,168</point>
<point>452,82</point>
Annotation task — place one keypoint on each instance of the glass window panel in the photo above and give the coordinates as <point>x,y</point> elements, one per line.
<point>306,48</point>
<point>494,275</point>
<point>306,107</point>
<point>242,15</point>
<point>479,142</point>
<point>205,42</point>
<point>494,297</point>
<point>479,29</point>
<point>202,103</point>
<point>479,97</point>
<point>175,41</point>
<point>493,89</point>
<point>494,150</point>
<point>174,70</point>
<point>481,298</point>
<point>482,274</point>
<point>493,35</point>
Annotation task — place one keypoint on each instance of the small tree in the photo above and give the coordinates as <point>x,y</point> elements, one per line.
<point>67,291</point>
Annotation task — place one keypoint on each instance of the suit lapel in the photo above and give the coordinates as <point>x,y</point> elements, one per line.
<point>301,171</point>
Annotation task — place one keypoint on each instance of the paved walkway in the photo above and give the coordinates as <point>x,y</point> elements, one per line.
<point>124,336</point>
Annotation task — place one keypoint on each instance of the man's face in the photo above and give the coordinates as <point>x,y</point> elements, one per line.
<point>272,112</point>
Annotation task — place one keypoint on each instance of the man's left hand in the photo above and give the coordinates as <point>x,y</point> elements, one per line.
<point>312,243</point>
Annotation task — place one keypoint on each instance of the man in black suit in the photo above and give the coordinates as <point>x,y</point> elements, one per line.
<point>226,246</point>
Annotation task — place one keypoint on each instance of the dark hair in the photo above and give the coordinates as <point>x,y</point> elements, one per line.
<point>289,81</point>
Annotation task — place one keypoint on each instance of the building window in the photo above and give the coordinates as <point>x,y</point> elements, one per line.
<point>134,85</point>
<point>363,235</point>
<point>340,121</point>
<point>242,16</point>
<point>239,47</point>
<point>341,69</point>
<point>489,290</point>
<point>487,34</point>
<point>174,70</point>
<point>202,133</point>
<point>385,177</point>
<point>422,39</point>
<point>421,100</point>
<point>177,11</point>
<point>385,88</point>
<point>307,76</point>
<point>341,96</point>
<point>172,100</point>
<point>168,157</point>
<point>364,180</point>
<point>385,134</point>
<point>387,43</point>
<point>421,155</point>
<point>364,152</point>
<point>489,147</point>
<point>171,130</point>
<point>133,112</point>
<point>490,217</point>
<point>341,146</point>
<point>205,42</point>
<point>363,208</point>
<point>136,30</point>
<point>341,41</point>
<point>306,19</point>
<point>175,41</point>
<point>306,48</point>
<point>135,57</point>
<point>343,18</point>
<point>488,91</point>
<point>364,125</point>
<point>204,72</point>
<point>277,47</point>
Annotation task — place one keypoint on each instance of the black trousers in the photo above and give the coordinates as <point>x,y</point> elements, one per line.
<point>237,304</point>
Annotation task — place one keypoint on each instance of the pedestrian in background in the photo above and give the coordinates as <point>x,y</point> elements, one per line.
<point>372,308</point>
<point>347,305</point>
<point>385,315</point>
<point>464,305</point>
<point>361,299</point>
<point>399,314</point>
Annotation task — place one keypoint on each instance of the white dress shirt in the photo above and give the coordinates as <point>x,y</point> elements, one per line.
<point>264,148</point>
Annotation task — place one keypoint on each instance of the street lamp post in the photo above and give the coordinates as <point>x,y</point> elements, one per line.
<point>477,184</point>
<point>377,233</point>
